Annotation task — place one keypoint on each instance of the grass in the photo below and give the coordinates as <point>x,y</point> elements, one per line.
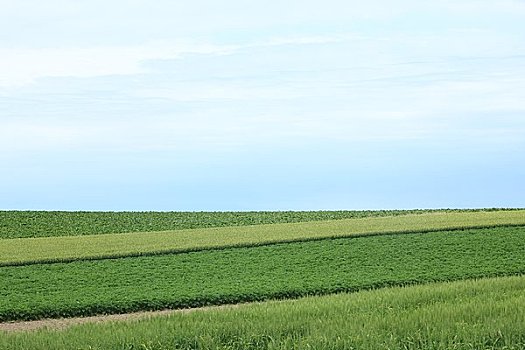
<point>473,314</point>
<point>258,273</point>
<point>22,251</point>
<point>20,224</point>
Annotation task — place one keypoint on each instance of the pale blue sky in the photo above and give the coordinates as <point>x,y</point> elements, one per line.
<point>235,105</point>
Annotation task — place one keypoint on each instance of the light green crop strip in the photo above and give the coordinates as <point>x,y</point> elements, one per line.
<point>45,249</point>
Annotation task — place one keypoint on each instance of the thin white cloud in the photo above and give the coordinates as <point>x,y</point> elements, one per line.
<point>20,136</point>
<point>307,40</point>
<point>364,98</point>
<point>470,7</point>
<point>230,132</point>
<point>19,67</point>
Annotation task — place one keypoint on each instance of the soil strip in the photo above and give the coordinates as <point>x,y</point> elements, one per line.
<point>63,323</point>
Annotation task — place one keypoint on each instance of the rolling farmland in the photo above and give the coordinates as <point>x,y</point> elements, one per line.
<point>64,274</point>
<point>471,314</point>
<point>22,251</point>
<point>16,224</point>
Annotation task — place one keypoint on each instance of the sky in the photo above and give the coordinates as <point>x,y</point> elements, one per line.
<point>261,105</point>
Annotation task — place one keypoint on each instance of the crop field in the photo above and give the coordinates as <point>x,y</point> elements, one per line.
<point>21,251</point>
<point>375,266</point>
<point>258,273</point>
<point>14,224</point>
<point>470,314</point>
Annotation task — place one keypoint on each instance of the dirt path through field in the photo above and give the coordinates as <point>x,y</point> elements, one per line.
<point>63,323</point>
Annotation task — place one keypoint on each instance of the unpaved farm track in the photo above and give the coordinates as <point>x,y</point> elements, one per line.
<point>63,323</point>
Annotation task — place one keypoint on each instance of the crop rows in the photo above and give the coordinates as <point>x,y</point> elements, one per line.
<point>22,251</point>
<point>472,314</point>
<point>17,224</point>
<point>258,273</point>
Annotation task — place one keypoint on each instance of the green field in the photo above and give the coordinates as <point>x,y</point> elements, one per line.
<point>18,224</point>
<point>60,264</point>
<point>472,314</point>
<point>257,273</point>
<point>20,251</point>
